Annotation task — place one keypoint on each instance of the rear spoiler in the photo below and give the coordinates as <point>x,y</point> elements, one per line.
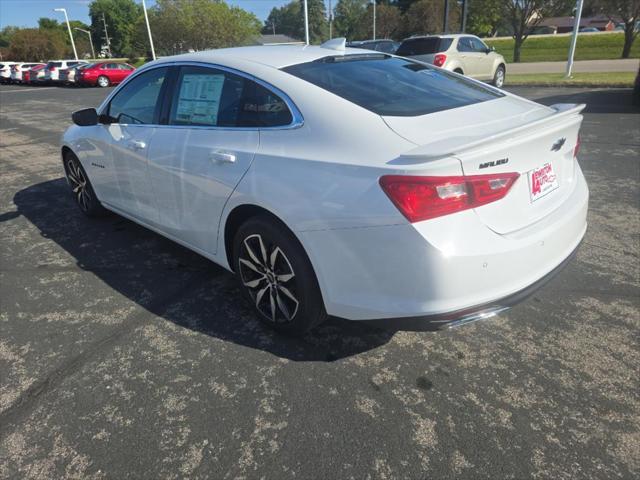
<point>455,145</point>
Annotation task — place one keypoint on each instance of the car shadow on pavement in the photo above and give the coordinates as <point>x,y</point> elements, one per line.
<point>611,100</point>
<point>173,282</point>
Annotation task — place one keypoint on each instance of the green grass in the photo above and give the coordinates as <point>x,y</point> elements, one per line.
<point>601,79</point>
<point>556,49</point>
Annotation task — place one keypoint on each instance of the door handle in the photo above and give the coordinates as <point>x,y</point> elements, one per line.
<point>137,145</point>
<point>222,157</point>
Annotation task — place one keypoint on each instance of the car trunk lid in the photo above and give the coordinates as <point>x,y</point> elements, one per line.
<point>502,136</point>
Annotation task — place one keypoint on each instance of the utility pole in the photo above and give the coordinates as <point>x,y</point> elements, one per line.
<point>73,45</point>
<point>445,26</point>
<point>106,35</point>
<point>273,26</point>
<point>374,19</point>
<point>306,23</point>
<point>146,19</point>
<point>330,21</point>
<point>93,52</point>
<point>465,10</point>
<point>574,38</point>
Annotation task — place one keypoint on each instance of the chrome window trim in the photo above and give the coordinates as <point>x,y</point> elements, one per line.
<point>297,118</point>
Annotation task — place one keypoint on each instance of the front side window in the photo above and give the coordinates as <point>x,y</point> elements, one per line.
<point>138,101</point>
<point>215,98</point>
<point>391,86</point>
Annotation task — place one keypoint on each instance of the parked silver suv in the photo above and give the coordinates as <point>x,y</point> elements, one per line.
<point>460,53</point>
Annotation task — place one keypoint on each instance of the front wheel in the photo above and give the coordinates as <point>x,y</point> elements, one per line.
<point>498,77</point>
<point>277,276</point>
<point>81,187</point>
<point>103,81</point>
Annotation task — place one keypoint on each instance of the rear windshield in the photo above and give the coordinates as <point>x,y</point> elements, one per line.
<point>392,86</point>
<point>423,46</point>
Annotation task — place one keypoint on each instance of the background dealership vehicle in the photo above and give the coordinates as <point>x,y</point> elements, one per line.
<point>104,74</point>
<point>52,69</point>
<point>19,70</point>
<point>465,54</point>
<point>446,206</point>
<point>70,76</point>
<point>35,75</point>
<point>384,45</point>
<point>5,71</point>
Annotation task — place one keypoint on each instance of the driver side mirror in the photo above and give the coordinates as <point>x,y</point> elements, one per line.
<point>85,118</point>
<point>490,49</point>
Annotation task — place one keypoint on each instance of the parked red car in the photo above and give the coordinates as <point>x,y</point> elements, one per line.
<point>104,74</point>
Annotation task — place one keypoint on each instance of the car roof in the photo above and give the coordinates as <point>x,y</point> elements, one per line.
<point>448,35</point>
<point>276,56</point>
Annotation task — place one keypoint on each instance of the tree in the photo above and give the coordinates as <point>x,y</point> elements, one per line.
<point>318,25</point>
<point>121,17</point>
<point>37,45</point>
<point>484,17</point>
<point>426,16</point>
<point>388,21</point>
<point>349,19</point>
<point>180,25</point>
<point>286,20</point>
<point>45,23</point>
<point>626,10</point>
<point>525,15</point>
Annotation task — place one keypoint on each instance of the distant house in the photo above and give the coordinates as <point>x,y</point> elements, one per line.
<point>275,39</point>
<point>565,24</point>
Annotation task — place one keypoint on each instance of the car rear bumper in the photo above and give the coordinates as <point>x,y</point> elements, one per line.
<point>446,267</point>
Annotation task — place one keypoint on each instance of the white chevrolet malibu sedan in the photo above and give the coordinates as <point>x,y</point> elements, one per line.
<point>339,182</point>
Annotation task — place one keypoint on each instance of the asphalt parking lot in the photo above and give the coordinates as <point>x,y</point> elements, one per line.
<point>123,355</point>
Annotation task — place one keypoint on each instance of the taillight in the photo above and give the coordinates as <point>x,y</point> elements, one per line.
<point>439,59</point>
<point>52,69</point>
<point>576,149</point>
<point>422,198</point>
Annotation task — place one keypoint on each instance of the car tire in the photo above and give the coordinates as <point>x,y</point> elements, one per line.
<point>499,76</point>
<point>459,71</point>
<point>277,277</point>
<point>81,187</point>
<point>103,81</point>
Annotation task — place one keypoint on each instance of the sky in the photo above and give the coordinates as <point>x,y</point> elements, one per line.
<point>25,13</point>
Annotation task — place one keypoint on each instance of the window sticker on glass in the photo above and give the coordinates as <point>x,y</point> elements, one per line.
<point>200,99</point>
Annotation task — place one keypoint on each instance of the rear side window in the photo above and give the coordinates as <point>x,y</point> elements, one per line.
<point>390,85</point>
<point>215,98</point>
<point>54,64</point>
<point>423,46</point>
<point>138,101</point>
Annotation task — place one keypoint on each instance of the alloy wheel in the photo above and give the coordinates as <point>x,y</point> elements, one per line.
<point>499,78</point>
<point>79,185</point>
<point>268,275</point>
<point>103,81</point>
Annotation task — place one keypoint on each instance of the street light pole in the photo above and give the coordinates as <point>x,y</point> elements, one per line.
<point>93,52</point>
<point>374,19</point>
<point>306,23</point>
<point>330,21</point>
<point>574,38</point>
<point>106,36</point>
<point>64,10</point>
<point>146,19</point>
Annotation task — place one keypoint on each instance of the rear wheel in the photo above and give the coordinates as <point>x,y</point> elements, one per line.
<point>277,277</point>
<point>498,77</point>
<point>459,70</point>
<point>81,187</point>
<point>103,81</point>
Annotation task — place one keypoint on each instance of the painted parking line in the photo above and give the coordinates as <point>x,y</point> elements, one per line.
<point>25,90</point>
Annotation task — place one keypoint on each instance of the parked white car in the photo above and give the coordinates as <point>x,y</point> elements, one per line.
<point>18,69</point>
<point>52,70</point>
<point>339,182</point>
<point>5,71</point>
<point>460,53</point>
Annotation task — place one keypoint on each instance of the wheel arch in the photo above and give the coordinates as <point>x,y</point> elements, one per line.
<point>240,214</point>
